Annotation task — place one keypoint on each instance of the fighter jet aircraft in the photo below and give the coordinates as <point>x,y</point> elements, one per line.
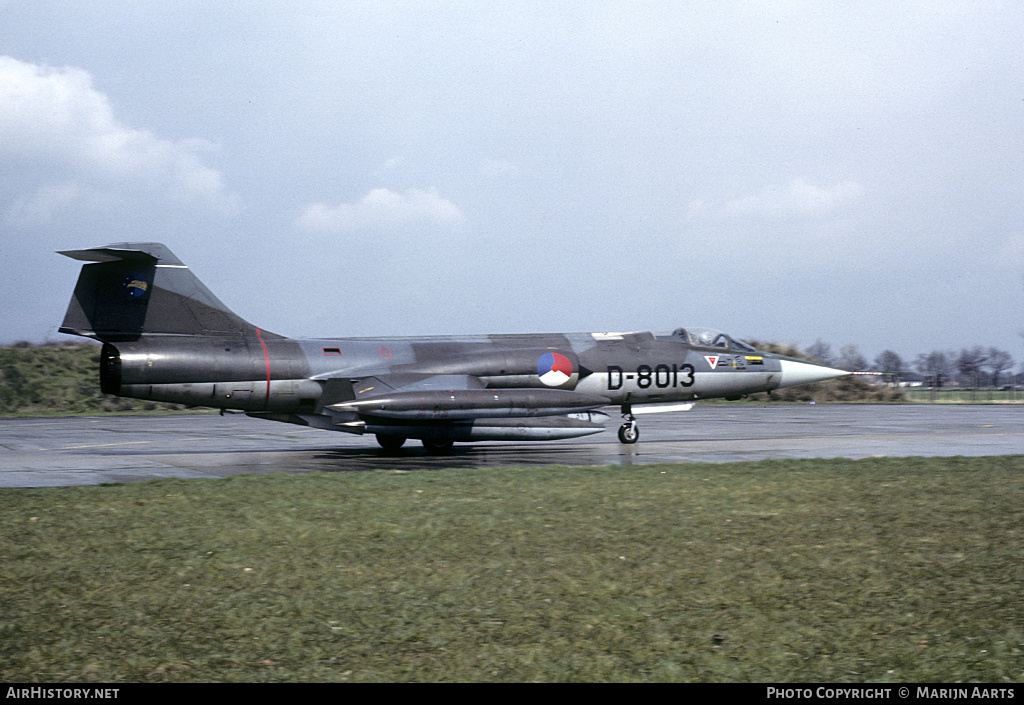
<point>167,338</point>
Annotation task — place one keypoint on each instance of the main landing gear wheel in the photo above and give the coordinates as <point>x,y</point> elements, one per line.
<point>390,442</point>
<point>437,447</point>
<point>629,432</point>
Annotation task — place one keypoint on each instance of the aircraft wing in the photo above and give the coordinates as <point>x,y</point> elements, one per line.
<point>426,397</point>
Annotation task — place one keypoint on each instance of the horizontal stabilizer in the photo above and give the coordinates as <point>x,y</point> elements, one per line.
<point>154,252</point>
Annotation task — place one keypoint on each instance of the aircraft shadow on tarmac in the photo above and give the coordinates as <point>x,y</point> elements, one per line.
<point>466,456</point>
<point>371,458</point>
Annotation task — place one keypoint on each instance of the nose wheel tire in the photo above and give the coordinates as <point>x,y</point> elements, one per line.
<point>629,432</point>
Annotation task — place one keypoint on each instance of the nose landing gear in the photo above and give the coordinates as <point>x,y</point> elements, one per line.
<point>629,432</point>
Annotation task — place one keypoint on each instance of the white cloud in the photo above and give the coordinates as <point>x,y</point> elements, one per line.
<point>43,205</point>
<point>53,121</point>
<point>799,199</point>
<point>381,208</point>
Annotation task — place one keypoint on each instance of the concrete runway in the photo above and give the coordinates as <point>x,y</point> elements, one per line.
<point>60,452</point>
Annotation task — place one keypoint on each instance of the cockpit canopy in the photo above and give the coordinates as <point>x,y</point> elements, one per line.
<point>708,338</point>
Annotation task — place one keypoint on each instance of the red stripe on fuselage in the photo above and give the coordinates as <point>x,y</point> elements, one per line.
<point>266,356</point>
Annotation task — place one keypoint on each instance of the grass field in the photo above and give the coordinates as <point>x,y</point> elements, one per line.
<point>953,395</point>
<point>872,570</point>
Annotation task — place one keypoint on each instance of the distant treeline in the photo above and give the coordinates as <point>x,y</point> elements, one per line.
<point>63,378</point>
<point>972,367</point>
<point>846,390</point>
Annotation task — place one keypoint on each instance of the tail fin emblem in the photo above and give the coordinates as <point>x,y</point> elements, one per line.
<point>135,286</point>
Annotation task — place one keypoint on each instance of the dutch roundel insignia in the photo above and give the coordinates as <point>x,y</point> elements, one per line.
<point>554,369</point>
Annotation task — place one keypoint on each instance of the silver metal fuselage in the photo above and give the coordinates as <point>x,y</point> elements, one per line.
<point>284,375</point>
<point>168,338</point>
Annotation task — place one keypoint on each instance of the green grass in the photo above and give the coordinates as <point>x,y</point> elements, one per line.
<point>871,570</point>
<point>953,395</point>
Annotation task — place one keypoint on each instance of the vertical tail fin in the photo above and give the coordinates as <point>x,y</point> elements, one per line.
<point>141,288</point>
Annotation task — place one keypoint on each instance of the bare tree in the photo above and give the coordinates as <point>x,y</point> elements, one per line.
<point>998,360</point>
<point>891,365</point>
<point>850,359</point>
<point>822,352</point>
<point>969,363</point>
<point>934,365</point>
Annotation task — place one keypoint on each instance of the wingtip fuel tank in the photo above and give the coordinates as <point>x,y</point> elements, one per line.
<point>461,404</point>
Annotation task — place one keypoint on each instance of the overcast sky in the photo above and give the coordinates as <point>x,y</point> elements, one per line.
<point>786,171</point>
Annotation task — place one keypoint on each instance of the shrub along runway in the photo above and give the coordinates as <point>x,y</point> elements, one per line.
<point>57,452</point>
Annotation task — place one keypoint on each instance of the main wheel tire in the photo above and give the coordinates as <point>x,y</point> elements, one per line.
<point>437,447</point>
<point>390,442</point>
<point>629,433</point>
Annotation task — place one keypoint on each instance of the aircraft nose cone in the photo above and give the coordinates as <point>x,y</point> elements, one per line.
<point>797,372</point>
